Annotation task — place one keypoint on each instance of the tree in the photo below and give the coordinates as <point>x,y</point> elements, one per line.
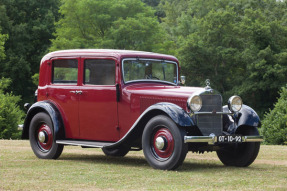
<point>10,113</point>
<point>274,125</point>
<point>124,24</point>
<point>30,25</point>
<point>153,3</point>
<point>139,33</point>
<point>240,45</point>
<point>2,42</point>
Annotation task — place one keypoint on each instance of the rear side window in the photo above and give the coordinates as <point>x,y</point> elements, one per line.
<point>99,72</point>
<point>65,71</point>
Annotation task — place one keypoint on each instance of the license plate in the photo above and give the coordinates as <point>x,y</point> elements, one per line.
<point>229,139</point>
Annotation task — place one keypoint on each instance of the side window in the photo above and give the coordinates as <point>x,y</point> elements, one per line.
<point>65,71</point>
<point>99,72</point>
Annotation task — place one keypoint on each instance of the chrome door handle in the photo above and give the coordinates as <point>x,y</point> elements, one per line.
<point>76,92</point>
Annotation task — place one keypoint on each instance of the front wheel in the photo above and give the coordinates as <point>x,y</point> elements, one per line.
<point>41,135</point>
<point>163,143</point>
<point>240,154</point>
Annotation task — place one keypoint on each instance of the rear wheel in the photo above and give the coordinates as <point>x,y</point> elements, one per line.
<point>41,135</point>
<point>240,154</point>
<point>163,143</point>
<point>117,152</point>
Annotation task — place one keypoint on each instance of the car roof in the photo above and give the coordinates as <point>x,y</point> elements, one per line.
<point>106,53</point>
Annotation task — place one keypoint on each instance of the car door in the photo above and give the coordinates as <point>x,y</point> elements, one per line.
<point>97,100</point>
<point>62,92</point>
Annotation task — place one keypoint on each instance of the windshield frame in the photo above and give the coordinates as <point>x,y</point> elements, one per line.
<point>150,80</point>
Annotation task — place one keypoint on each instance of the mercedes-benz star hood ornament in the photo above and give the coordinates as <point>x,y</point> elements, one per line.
<point>207,82</point>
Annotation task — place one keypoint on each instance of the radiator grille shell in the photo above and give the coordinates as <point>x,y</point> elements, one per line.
<point>210,123</point>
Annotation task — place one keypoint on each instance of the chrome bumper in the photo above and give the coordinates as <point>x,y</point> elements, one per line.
<point>213,139</point>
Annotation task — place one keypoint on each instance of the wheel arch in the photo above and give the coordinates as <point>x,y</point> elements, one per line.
<point>173,111</point>
<point>52,111</point>
<point>248,117</point>
<point>176,113</point>
<point>245,128</point>
<point>245,118</point>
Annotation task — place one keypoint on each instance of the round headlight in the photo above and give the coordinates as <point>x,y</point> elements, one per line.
<point>235,103</point>
<point>194,103</point>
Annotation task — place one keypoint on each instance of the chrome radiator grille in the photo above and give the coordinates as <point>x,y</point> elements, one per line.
<point>209,123</point>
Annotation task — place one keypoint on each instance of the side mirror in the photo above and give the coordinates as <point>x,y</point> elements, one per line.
<point>182,80</point>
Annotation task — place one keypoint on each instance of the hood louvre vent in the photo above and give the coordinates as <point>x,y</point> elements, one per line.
<point>145,102</point>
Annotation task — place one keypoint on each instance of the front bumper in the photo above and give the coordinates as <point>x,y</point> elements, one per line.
<point>212,139</point>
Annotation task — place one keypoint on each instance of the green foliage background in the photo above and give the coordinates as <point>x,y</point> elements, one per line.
<point>274,125</point>
<point>10,113</point>
<point>118,24</point>
<point>241,45</point>
<point>29,24</point>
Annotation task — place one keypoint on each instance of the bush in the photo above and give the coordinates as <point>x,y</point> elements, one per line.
<point>10,113</point>
<point>274,125</point>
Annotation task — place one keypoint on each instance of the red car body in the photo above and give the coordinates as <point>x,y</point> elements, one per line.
<point>117,113</point>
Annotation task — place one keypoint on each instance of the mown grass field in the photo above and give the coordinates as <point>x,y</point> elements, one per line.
<point>89,169</point>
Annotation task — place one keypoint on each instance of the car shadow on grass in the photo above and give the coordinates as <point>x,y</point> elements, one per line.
<point>102,159</point>
<point>140,162</point>
<point>195,166</point>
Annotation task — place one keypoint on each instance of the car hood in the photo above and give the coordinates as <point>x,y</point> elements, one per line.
<point>154,90</point>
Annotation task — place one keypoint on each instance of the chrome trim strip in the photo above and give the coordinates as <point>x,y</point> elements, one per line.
<point>84,143</point>
<point>200,139</point>
<point>252,138</point>
<point>213,139</point>
<point>212,113</point>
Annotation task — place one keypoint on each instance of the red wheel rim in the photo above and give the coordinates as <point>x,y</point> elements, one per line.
<point>167,150</point>
<point>47,144</point>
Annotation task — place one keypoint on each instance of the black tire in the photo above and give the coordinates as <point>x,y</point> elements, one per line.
<point>48,149</point>
<point>121,151</point>
<point>240,154</point>
<point>172,152</point>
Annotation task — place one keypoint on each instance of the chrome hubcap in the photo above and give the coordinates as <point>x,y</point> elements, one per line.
<point>160,143</point>
<point>42,136</point>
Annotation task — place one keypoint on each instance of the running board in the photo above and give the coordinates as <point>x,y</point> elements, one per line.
<point>94,144</point>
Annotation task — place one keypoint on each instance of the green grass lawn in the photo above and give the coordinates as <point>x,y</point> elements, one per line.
<point>90,169</point>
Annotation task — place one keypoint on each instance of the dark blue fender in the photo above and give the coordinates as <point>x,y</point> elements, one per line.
<point>246,117</point>
<point>176,113</point>
<point>52,111</point>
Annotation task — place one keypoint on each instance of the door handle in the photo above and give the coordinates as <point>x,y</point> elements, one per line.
<point>76,92</point>
<point>79,92</point>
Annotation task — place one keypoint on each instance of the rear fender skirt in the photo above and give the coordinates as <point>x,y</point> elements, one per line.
<point>52,111</point>
<point>176,113</point>
<point>246,117</point>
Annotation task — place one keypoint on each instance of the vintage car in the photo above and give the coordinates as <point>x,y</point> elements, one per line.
<point>120,100</point>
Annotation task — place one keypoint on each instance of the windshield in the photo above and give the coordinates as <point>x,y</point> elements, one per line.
<point>149,70</point>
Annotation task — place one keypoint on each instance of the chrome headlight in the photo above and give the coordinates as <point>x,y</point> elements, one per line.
<point>235,103</point>
<point>194,103</point>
